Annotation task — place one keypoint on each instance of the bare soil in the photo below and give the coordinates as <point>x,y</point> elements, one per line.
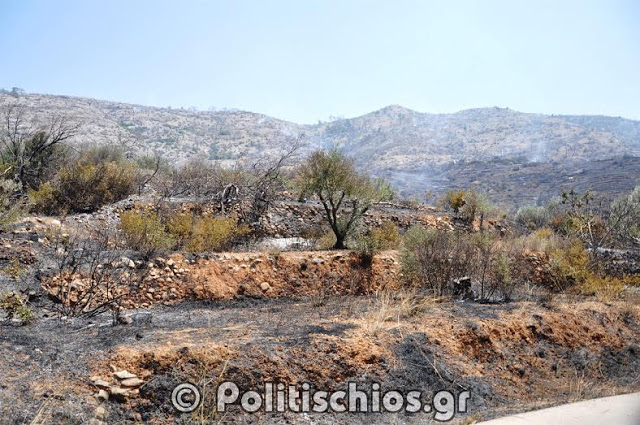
<point>511,357</point>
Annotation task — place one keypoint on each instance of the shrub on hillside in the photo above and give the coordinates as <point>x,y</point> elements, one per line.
<point>212,234</point>
<point>625,218</point>
<point>502,280</point>
<point>532,217</point>
<point>99,176</point>
<point>605,288</point>
<point>565,224</point>
<point>366,245</point>
<point>148,231</point>
<point>324,241</point>
<point>438,260</point>
<point>180,226</point>
<point>145,232</point>
<point>543,240</point>
<point>476,204</point>
<point>432,258</point>
<point>10,207</point>
<point>568,265</point>
<point>454,200</point>
<point>386,236</point>
<point>467,204</point>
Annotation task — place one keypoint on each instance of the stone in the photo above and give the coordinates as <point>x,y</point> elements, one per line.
<point>119,394</point>
<point>124,374</point>
<point>101,413</point>
<point>102,395</point>
<point>132,382</point>
<point>101,383</point>
<point>265,286</point>
<point>124,320</point>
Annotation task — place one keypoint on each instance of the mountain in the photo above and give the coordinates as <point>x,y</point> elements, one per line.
<point>516,157</point>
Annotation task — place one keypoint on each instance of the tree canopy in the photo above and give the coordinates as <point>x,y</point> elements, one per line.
<point>345,193</point>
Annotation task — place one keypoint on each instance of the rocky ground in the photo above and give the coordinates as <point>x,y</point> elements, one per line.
<point>301,316</point>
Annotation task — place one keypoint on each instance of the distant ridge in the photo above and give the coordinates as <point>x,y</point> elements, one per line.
<point>416,151</point>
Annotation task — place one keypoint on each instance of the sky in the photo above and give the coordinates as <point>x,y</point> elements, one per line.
<point>308,60</point>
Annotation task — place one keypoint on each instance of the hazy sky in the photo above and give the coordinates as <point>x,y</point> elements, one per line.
<point>305,60</point>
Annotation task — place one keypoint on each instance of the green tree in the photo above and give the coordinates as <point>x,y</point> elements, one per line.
<point>345,194</point>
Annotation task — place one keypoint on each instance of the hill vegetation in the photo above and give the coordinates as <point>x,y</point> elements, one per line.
<point>417,152</point>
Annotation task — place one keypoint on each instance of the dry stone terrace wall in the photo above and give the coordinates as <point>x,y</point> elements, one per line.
<point>230,275</point>
<point>285,218</point>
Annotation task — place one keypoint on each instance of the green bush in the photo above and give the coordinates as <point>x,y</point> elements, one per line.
<point>568,265</point>
<point>467,204</point>
<point>11,209</point>
<point>475,204</point>
<point>625,218</point>
<point>454,200</point>
<point>180,226</point>
<point>211,234</point>
<point>386,236</point>
<point>16,307</point>
<point>324,241</point>
<point>366,245</point>
<point>502,279</point>
<point>145,232</point>
<point>99,176</point>
<point>532,217</point>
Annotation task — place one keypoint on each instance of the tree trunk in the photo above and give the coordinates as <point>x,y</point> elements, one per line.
<point>339,242</point>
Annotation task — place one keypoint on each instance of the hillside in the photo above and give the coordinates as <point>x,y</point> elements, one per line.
<point>416,151</point>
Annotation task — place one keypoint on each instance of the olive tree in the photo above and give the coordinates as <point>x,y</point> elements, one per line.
<point>345,194</point>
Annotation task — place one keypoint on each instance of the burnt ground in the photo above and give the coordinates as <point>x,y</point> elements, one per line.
<point>211,319</point>
<point>511,357</point>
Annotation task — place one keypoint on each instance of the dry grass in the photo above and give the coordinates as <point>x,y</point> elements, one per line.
<point>392,307</point>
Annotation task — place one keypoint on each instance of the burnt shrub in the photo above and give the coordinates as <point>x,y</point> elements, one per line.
<point>432,258</point>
